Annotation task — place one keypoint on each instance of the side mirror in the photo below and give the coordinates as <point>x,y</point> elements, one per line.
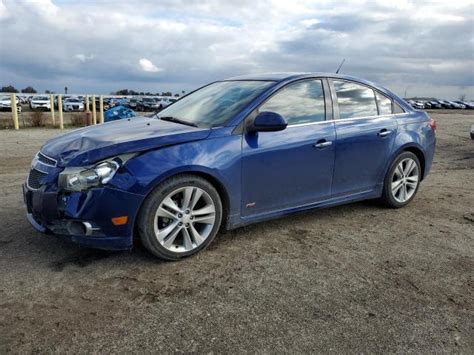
<point>268,122</point>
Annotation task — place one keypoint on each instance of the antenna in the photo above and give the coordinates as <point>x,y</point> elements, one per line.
<point>340,66</point>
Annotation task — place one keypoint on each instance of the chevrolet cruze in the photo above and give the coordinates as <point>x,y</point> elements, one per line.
<point>231,153</point>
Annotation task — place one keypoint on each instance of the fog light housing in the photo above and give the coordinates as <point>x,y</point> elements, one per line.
<point>82,228</point>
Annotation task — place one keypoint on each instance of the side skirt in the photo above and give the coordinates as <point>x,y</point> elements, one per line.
<point>237,221</point>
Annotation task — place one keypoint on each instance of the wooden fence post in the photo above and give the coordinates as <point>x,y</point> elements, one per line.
<point>14,111</point>
<point>51,102</point>
<point>94,113</point>
<point>60,109</point>
<point>101,104</point>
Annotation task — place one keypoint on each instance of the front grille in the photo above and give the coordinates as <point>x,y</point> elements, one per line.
<point>34,179</point>
<point>46,160</point>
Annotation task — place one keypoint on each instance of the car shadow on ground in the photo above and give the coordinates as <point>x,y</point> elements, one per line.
<point>59,253</point>
<point>80,257</point>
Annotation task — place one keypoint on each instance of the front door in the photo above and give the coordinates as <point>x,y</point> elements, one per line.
<point>293,167</point>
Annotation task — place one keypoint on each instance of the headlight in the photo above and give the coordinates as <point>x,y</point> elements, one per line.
<point>79,179</point>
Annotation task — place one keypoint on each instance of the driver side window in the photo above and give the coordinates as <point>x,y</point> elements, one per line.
<point>300,102</point>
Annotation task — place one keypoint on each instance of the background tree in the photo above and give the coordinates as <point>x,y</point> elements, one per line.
<point>462,97</point>
<point>8,88</point>
<point>121,92</point>
<point>28,90</point>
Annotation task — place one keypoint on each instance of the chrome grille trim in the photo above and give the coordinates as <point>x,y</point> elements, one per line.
<point>44,159</point>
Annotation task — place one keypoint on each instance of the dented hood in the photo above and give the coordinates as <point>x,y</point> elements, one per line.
<point>91,144</point>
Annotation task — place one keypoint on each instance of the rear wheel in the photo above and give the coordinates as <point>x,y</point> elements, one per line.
<point>402,180</point>
<point>180,217</point>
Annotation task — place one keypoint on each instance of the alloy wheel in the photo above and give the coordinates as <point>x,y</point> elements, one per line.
<point>405,180</point>
<point>184,219</point>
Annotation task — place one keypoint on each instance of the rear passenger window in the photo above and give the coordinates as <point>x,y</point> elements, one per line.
<point>301,102</point>
<point>355,100</point>
<point>385,104</point>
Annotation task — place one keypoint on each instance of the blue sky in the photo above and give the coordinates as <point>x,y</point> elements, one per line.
<point>421,48</point>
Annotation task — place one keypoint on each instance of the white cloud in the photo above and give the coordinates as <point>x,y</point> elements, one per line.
<point>148,66</point>
<point>310,22</point>
<point>4,13</point>
<point>83,58</point>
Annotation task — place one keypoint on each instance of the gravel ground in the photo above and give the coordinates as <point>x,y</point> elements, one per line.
<point>354,278</point>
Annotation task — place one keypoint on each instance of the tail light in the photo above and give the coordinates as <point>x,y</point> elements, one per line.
<point>432,124</point>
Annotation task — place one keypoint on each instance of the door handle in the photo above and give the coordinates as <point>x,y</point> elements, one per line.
<point>322,144</point>
<point>384,133</point>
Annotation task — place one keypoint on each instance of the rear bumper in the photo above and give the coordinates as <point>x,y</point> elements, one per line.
<point>84,218</point>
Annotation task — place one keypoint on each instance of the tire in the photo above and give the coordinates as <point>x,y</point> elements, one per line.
<point>399,185</point>
<point>181,217</point>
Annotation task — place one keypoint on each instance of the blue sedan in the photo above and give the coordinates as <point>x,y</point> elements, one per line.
<point>231,153</point>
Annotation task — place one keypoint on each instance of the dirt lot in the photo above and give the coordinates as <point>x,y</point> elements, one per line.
<point>355,278</point>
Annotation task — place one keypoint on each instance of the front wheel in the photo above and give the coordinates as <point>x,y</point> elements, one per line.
<point>402,180</point>
<point>180,217</point>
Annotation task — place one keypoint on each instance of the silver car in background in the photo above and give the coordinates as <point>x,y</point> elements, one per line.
<point>73,104</point>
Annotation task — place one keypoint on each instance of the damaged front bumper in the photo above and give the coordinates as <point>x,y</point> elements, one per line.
<point>85,217</point>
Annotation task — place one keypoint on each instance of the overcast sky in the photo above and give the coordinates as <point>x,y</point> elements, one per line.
<point>421,48</point>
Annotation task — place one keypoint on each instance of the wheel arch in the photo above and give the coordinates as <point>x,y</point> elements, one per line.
<point>413,148</point>
<point>221,190</point>
<point>420,155</point>
<point>211,178</point>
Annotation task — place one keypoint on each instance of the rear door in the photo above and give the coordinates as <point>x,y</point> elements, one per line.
<point>364,137</point>
<point>292,167</point>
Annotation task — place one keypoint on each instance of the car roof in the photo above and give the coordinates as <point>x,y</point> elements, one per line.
<point>289,76</point>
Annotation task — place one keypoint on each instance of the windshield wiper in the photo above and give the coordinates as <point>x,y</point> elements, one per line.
<point>177,120</point>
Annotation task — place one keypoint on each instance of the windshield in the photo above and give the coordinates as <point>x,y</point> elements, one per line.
<point>41,98</point>
<point>148,99</point>
<point>215,104</point>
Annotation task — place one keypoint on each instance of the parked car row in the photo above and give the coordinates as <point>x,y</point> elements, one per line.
<point>78,103</point>
<point>438,104</point>
<point>149,103</point>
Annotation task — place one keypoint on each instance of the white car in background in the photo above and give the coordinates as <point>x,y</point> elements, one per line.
<point>457,105</point>
<point>418,105</point>
<point>40,102</point>
<point>6,103</point>
<point>73,104</point>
